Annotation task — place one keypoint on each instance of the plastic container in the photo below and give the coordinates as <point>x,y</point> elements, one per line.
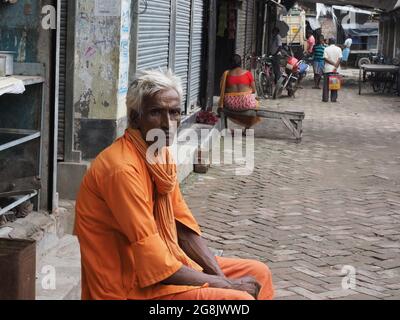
<point>17,269</point>
<point>3,61</point>
<point>291,63</point>
<point>303,67</point>
<point>9,56</point>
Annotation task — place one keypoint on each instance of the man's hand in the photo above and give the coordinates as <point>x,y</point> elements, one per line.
<point>248,284</point>
<point>196,248</point>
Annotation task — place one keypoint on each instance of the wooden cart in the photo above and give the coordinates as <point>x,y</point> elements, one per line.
<point>291,119</point>
<point>381,77</point>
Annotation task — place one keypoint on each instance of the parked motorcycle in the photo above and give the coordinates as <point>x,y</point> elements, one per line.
<point>294,71</point>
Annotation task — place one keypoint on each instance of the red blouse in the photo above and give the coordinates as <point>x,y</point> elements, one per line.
<point>245,79</point>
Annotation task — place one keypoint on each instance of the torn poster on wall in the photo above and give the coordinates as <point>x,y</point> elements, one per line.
<point>107,8</point>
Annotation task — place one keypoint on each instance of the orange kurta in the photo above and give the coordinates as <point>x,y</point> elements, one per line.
<point>122,253</point>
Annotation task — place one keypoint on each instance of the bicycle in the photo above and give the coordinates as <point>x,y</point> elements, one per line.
<point>264,76</point>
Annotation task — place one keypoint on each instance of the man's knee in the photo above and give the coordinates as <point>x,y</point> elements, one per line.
<point>260,271</point>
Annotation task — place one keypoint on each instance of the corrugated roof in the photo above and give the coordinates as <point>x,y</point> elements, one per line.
<point>379,4</point>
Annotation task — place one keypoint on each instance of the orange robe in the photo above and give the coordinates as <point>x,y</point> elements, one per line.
<point>122,253</point>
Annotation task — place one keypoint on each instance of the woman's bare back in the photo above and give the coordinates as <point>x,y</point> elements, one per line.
<point>237,87</point>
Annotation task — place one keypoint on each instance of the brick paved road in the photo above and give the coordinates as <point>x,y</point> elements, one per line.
<point>309,209</point>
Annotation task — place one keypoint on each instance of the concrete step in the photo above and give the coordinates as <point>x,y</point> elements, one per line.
<point>57,254</point>
<point>42,227</point>
<point>58,273</point>
<point>187,150</point>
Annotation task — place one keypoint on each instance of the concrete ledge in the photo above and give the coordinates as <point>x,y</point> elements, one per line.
<point>188,151</point>
<point>64,263</point>
<point>38,226</point>
<point>69,178</point>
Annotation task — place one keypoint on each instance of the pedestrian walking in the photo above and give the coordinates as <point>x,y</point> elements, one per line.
<point>318,61</point>
<point>346,50</point>
<point>333,57</point>
<point>310,43</point>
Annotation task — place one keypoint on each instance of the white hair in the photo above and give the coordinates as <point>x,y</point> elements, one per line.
<point>146,84</point>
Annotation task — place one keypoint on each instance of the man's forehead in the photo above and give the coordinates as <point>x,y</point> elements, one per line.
<point>164,98</point>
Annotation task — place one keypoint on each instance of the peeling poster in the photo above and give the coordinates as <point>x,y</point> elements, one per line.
<point>107,8</point>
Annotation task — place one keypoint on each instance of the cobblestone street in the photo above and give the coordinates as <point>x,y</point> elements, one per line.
<point>309,209</point>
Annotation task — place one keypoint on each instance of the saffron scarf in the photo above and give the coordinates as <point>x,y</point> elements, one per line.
<point>164,176</point>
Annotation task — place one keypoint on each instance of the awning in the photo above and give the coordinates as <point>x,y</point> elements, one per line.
<point>351,9</point>
<point>363,32</point>
<point>378,4</point>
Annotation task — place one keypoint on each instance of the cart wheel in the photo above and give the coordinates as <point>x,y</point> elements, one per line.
<point>362,61</point>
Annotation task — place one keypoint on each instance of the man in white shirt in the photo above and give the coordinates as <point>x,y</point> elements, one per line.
<point>346,49</point>
<point>333,56</point>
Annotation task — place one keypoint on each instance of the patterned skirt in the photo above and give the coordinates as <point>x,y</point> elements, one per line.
<point>240,101</point>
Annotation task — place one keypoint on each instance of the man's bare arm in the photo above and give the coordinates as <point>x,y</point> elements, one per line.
<point>336,65</point>
<point>197,250</point>
<point>189,277</point>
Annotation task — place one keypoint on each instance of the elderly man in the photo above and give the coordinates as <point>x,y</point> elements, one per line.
<point>138,238</point>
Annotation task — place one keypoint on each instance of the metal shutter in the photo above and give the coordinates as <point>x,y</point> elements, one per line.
<point>196,51</point>
<point>250,39</point>
<point>397,39</point>
<point>241,30</point>
<point>182,44</point>
<point>250,31</point>
<point>62,79</point>
<point>153,35</point>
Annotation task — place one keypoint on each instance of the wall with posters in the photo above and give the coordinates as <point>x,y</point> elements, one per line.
<point>102,36</point>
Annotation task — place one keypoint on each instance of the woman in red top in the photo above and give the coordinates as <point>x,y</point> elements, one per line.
<point>238,93</point>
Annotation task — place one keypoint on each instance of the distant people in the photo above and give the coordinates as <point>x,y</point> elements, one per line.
<point>318,61</point>
<point>238,93</point>
<point>276,52</point>
<point>333,57</point>
<point>310,43</point>
<point>346,50</point>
